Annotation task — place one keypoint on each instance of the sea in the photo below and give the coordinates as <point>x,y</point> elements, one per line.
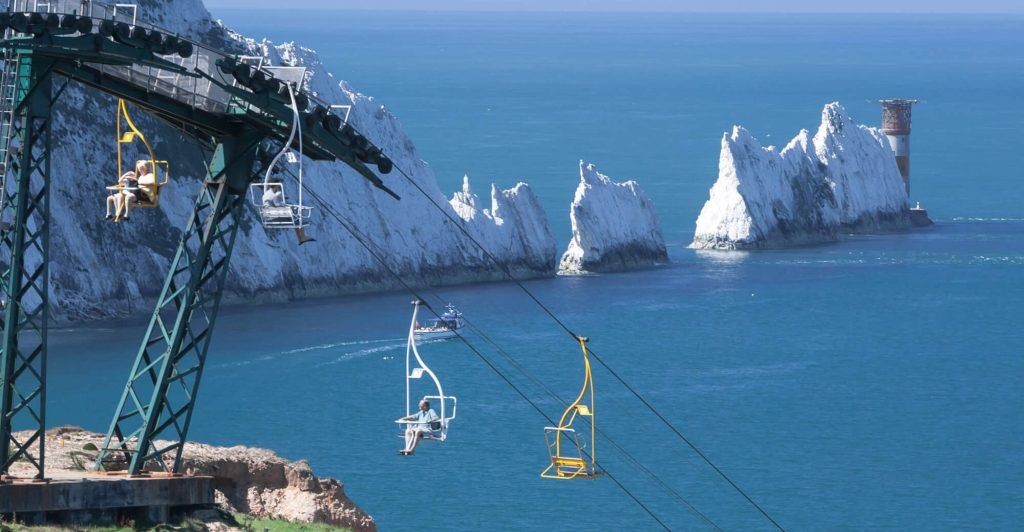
<point>875,383</point>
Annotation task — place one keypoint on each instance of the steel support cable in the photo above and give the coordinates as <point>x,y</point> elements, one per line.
<point>622,451</point>
<point>688,442</point>
<point>361,239</point>
<point>330,210</point>
<point>508,273</point>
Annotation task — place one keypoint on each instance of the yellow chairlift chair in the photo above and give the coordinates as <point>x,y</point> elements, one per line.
<point>568,459</point>
<point>146,194</point>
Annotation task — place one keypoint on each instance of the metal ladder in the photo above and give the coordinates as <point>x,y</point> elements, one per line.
<point>8,88</point>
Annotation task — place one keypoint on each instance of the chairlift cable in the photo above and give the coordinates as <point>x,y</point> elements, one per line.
<point>328,208</point>
<point>688,442</point>
<point>622,451</point>
<point>551,393</point>
<point>360,238</point>
<point>508,273</point>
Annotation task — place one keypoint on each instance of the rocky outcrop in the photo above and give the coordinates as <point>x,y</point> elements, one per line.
<point>252,481</point>
<point>514,229</point>
<point>101,269</point>
<point>260,483</point>
<point>843,179</point>
<point>614,226</point>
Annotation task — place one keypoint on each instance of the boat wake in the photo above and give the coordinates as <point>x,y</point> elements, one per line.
<point>338,344</point>
<point>319,347</point>
<point>344,357</point>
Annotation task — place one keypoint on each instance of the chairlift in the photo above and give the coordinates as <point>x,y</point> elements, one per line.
<point>415,369</point>
<point>144,190</point>
<point>268,196</point>
<point>568,460</point>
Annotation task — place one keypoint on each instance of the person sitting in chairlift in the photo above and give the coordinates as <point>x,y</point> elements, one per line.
<point>147,183</point>
<point>273,196</point>
<point>121,197</point>
<point>417,431</point>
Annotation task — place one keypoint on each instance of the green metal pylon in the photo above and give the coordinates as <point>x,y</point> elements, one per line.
<point>25,220</point>
<point>159,398</point>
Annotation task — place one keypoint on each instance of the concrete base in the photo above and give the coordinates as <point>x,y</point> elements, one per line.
<point>84,498</point>
<point>919,217</point>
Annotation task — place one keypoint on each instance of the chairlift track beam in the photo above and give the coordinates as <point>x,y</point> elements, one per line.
<point>159,398</point>
<point>23,282</point>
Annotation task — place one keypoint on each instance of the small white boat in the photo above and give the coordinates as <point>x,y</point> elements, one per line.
<point>440,328</point>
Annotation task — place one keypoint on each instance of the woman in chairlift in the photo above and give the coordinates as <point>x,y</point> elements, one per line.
<point>148,187</point>
<point>417,431</point>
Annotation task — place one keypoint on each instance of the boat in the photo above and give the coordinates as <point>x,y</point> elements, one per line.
<point>446,326</point>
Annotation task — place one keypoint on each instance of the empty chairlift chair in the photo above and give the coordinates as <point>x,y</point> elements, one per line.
<point>569,460</point>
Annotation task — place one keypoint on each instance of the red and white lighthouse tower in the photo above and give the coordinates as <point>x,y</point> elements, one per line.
<point>896,126</point>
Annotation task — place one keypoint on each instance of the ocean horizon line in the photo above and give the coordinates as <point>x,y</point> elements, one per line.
<point>950,13</point>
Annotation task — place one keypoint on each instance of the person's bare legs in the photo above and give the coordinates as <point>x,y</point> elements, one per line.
<point>412,439</point>
<point>126,201</point>
<point>112,202</point>
<point>416,439</point>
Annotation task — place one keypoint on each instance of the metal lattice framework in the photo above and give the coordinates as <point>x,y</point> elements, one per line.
<point>159,399</point>
<point>25,252</point>
<point>208,94</point>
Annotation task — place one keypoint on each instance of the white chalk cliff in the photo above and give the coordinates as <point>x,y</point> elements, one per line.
<point>515,226</point>
<point>101,269</point>
<point>844,179</point>
<point>614,226</point>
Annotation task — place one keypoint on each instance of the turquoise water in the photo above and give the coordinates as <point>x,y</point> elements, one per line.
<point>873,383</point>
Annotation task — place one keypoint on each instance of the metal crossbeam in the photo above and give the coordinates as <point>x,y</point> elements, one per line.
<point>159,398</point>
<point>24,253</point>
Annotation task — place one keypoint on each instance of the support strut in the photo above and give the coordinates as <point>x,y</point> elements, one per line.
<point>160,396</point>
<point>24,258</point>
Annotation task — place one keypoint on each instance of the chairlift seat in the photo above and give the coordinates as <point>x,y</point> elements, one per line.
<point>283,216</point>
<point>563,461</point>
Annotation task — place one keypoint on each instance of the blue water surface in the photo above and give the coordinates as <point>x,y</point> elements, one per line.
<point>874,383</point>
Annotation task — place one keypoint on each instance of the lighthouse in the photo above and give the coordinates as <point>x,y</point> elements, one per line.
<point>896,126</point>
